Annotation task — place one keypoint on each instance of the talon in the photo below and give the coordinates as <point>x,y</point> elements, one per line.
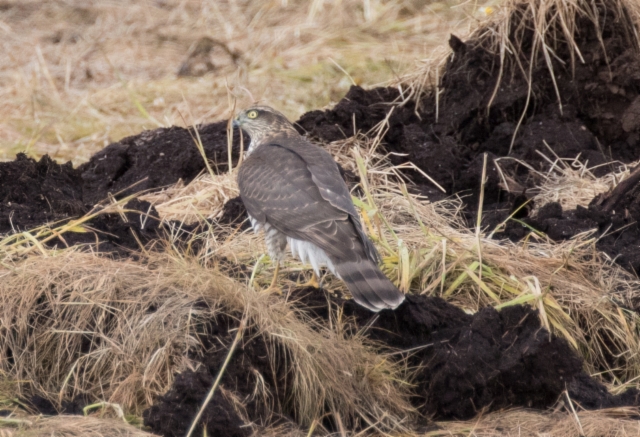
<point>313,282</point>
<point>273,288</point>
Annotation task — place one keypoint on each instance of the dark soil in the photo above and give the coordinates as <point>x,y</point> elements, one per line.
<point>154,159</point>
<point>234,213</point>
<point>465,364</point>
<point>33,193</point>
<point>599,122</point>
<point>45,406</point>
<point>172,414</point>
<point>481,362</point>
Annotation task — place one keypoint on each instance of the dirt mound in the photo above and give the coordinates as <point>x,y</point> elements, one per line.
<point>33,193</point>
<point>239,399</point>
<point>614,214</point>
<point>154,159</point>
<point>471,363</point>
<point>464,364</point>
<point>483,108</point>
<point>174,412</point>
<point>479,109</point>
<point>359,110</point>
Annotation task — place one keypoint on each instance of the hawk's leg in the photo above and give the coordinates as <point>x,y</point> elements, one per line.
<point>273,288</point>
<point>313,282</point>
<point>276,245</point>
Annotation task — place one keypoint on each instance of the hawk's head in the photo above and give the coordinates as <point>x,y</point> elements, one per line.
<point>263,123</point>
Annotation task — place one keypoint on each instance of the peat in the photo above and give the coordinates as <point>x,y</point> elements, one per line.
<point>472,363</point>
<point>155,159</point>
<point>465,364</point>
<point>33,193</point>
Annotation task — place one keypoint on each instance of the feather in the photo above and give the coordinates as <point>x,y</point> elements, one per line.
<point>294,190</point>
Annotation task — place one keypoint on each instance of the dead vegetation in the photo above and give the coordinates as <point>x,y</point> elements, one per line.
<point>75,426</point>
<point>82,74</point>
<point>605,423</point>
<point>141,324</point>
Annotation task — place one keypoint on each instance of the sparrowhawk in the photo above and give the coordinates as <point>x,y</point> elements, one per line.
<point>294,192</point>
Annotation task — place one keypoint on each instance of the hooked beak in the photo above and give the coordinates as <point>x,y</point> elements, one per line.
<point>236,123</point>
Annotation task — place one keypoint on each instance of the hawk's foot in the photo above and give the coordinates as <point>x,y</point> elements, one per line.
<point>313,282</point>
<point>273,289</point>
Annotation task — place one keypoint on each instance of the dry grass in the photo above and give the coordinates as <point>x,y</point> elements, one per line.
<point>619,422</point>
<point>201,199</point>
<point>80,74</point>
<point>570,182</point>
<point>74,426</point>
<point>52,309</point>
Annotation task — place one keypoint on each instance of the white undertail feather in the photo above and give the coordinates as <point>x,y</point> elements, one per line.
<point>309,253</point>
<point>255,225</point>
<point>274,239</point>
<point>367,284</point>
<point>306,252</point>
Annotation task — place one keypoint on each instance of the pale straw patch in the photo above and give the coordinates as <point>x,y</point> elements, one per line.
<point>201,199</point>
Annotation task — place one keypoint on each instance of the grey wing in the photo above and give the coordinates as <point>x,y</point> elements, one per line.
<point>326,175</point>
<point>277,187</point>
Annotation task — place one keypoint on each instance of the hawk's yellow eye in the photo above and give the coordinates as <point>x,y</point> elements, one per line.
<point>252,114</point>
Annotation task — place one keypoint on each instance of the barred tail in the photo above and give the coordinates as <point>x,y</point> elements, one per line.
<point>368,285</point>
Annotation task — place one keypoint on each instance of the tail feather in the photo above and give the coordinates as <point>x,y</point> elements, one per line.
<point>368,285</point>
